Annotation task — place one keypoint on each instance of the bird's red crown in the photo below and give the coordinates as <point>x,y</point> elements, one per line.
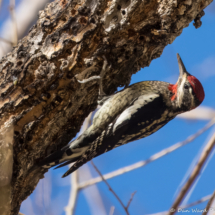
<point>197,87</point>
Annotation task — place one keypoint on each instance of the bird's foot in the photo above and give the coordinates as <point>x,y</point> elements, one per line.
<point>102,94</point>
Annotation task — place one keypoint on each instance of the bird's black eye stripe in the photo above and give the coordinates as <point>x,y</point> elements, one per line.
<point>186,86</point>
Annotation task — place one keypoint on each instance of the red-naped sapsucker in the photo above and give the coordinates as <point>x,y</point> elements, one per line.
<point>128,115</point>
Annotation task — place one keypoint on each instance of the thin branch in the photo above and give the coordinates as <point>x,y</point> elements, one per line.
<point>13,17</point>
<point>200,113</point>
<point>110,188</point>
<point>23,21</point>
<point>96,204</point>
<point>70,208</point>
<point>209,204</point>
<point>112,210</point>
<point>204,199</point>
<point>6,41</point>
<point>151,159</point>
<point>130,200</point>
<point>204,155</point>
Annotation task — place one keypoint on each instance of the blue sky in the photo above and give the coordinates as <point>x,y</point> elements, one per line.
<point>157,183</point>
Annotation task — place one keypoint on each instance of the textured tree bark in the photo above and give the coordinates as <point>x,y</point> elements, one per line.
<point>39,92</point>
<point>6,167</point>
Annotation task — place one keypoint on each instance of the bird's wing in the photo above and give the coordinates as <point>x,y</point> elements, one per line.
<point>110,110</point>
<point>127,127</point>
<point>72,152</point>
<point>139,107</point>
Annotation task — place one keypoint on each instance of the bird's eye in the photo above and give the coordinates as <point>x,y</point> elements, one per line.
<point>186,86</point>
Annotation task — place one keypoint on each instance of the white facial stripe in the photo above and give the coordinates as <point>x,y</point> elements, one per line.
<point>180,91</point>
<point>192,98</point>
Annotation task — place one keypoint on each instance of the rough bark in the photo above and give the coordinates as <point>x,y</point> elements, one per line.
<point>39,92</point>
<point>6,167</point>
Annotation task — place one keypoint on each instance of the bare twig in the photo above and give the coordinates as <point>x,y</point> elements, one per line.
<point>13,17</point>
<point>26,13</point>
<point>70,208</point>
<point>110,188</point>
<point>151,159</point>
<point>130,200</point>
<point>200,113</point>
<point>6,41</point>
<point>112,210</point>
<point>204,155</point>
<point>204,199</point>
<point>209,204</point>
<point>96,204</point>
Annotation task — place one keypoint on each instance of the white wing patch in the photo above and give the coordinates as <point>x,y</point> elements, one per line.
<point>180,91</point>
<point>140,102</point>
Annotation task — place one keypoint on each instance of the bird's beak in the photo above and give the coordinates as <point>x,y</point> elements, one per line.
<point>181,80</point>
<point>182,70</point>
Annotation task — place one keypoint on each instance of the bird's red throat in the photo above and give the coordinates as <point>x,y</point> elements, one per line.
<point>173,89</point>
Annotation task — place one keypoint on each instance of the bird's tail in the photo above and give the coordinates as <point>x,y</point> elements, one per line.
<point>65,156</point>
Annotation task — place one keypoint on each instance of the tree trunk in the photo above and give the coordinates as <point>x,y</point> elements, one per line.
<point>40,95</point>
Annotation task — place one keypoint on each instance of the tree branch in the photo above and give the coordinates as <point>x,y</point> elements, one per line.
<point>26,14</point>
<point>204,155</point>
<point>212,197</point>
<point>70,208</point>
<point>130,200</point>
<point>204,199</point>
<point>111,190</point>
<point>112,210</point>
<point>6,41</point>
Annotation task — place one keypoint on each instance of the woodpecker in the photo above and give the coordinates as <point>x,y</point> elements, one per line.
<point>128,115</point>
